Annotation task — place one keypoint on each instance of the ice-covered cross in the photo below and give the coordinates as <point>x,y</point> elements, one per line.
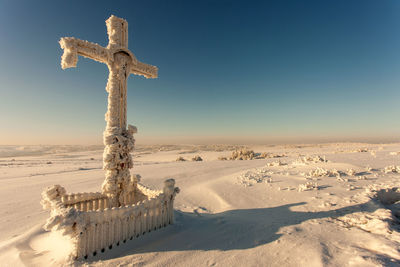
<point>118,139</point>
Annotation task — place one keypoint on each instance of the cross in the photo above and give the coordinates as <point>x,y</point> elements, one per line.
<point>121,62</point>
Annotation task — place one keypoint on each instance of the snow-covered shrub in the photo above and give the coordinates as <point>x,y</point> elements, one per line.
<point>308,186</point>
<point>351,172</point>
<point>320,172</point>
<point>250,178</point>
<point>243,154</point>
<point>392,169</point>
<point>268,155</point>
<point>309,159</point>
<point>275,163</point>
<point>197,158</point>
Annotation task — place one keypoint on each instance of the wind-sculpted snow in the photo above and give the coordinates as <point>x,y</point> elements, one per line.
<point>230,213</point>
<point>383,218</point>
<point>38,150</point>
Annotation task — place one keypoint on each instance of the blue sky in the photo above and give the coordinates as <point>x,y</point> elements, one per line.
<point>244,71</point>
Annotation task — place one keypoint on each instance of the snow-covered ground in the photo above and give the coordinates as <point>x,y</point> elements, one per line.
<point>303,205</point>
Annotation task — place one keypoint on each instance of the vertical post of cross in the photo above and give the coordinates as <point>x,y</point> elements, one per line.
<point>121,62</point>
<point>117,30</point>
<point>118,141</point>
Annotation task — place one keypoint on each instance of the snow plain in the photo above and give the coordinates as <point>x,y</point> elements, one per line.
<point>338,209</point>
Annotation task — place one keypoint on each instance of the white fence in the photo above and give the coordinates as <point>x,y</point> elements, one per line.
<point>96,227</point>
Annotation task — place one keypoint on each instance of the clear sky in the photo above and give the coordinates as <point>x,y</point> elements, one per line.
<point>249,71</point>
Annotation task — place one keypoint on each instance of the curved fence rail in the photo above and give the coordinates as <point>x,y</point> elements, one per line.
<point>95,226</point>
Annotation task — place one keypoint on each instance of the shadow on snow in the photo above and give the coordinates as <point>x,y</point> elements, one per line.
<point>229,230</point>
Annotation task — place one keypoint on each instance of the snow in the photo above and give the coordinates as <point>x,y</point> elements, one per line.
<point>228,213</point>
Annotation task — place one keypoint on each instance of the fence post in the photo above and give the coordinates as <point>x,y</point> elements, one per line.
<point>170,192</point>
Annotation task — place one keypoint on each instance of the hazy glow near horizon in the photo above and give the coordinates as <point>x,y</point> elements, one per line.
<point>234,70</point>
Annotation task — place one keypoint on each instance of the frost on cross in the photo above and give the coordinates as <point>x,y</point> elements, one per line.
<point>125,208</point>
<point>118,140</point>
